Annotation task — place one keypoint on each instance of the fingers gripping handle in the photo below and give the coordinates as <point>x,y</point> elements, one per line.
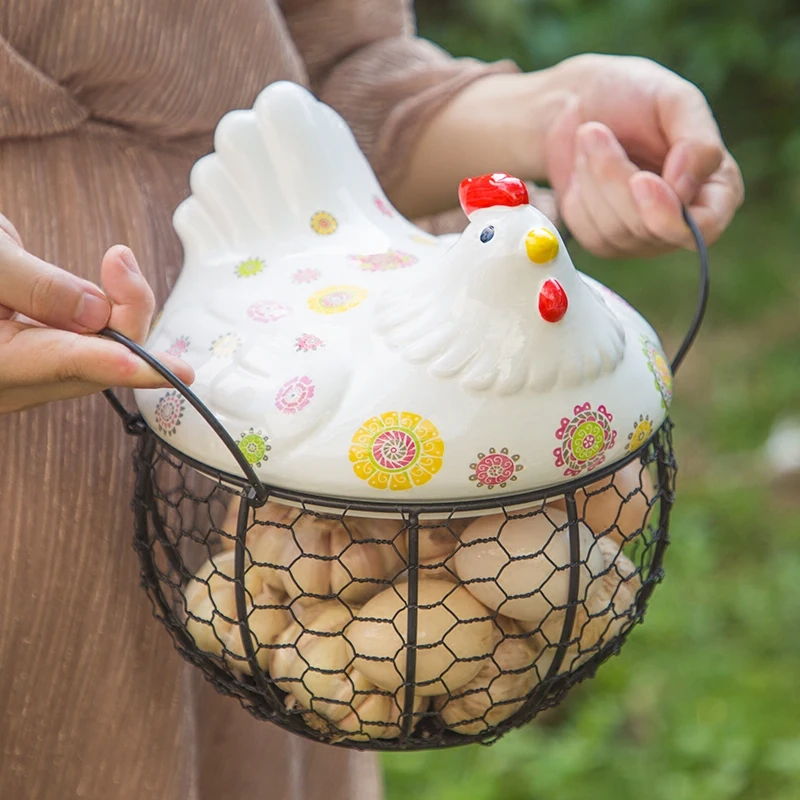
<point>129,419</point>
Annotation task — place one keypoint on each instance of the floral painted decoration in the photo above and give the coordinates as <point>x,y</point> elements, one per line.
<point>642,430</point>
<point>308,342</point>
<point>396,451</point>
<point>383,262</point>
<point>307,275</point>
<point>254,445</point>
<point>383,207</point>
<point>335,299</point>
<point>295,395</point>
<point>657,364</point>
<point>495,468</point>
<point>267,311</point>
<point>249,268</point>
<point>179,346</point>
<point>418,239</point>
<point>225,345</point>
<point>324,223</point>
<point>169,412</point>
<point>585,438</point>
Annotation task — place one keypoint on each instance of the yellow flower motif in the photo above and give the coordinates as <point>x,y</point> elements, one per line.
<point>225,345</point>
<point>642,430</point>
<point>335,299</point>
<point>250,267</point>
<point>415,237</point>
<point>396,451</point>
<point>324,223</point>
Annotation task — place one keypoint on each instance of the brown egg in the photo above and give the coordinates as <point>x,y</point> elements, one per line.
<point>454,635</point>
<point>517,664</point>
<point>519,567</point>
<point>377,717</point>
<point>314,664</point>
<point>388,536</point>
<point>268,616</point>
<point>617,506</point>
<point>210,598</point>
<point>357,571</point>
<point>607,611</point>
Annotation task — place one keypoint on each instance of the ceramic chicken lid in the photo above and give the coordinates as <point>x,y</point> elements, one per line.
<point>350,354</point>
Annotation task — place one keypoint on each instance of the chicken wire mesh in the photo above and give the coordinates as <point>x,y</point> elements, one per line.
<point>405,632</point>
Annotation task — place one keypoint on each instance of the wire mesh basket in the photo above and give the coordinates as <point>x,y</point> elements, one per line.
<point>390,626</point>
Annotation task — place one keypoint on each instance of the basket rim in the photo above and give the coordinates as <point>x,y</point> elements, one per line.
<point>435,509</point>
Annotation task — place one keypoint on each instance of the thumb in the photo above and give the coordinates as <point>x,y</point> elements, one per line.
<point>560,146</point>
<point>131,296</point>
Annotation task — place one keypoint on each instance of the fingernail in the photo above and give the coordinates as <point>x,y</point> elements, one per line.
<point>92,312</point>
<point>127,258</point>
<point>642,193</point>
<point>686,188</point>
<point>593,141</point>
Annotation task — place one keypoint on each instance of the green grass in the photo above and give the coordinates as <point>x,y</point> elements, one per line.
<point>704,701</point>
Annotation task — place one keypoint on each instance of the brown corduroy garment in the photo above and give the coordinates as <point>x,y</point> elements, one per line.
<point>104,107</point>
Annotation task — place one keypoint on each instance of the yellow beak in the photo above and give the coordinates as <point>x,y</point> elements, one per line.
<point>541,245</point>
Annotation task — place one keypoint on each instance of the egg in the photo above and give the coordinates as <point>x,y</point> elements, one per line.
<point>517,664</point>
<point>268,616</point>
<point>454,636</point>
<point>210,599</point>
<point>314,663</point>
<point>377,716</point>
<point>609,608</point>
<point>520,567</point>
<point>618,505</point>
<point>357,571</point>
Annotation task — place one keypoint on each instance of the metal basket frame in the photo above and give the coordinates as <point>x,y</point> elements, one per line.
<point>258,694</point>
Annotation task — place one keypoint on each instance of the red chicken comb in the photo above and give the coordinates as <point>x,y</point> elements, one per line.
<point>497,189</point>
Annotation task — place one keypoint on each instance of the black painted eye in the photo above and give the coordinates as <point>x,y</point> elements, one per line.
<point>487,233</point>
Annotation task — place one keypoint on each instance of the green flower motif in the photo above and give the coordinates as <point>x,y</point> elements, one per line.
<point>254,445</point>
<point>249,268</point>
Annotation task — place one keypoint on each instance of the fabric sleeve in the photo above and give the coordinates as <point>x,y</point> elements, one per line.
<point>364,59</point>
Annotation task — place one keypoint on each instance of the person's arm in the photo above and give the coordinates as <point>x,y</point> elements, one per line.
<point>364,59</point>
<point>621,140</point>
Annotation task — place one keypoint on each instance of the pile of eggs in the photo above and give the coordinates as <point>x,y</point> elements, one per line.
<point>327,605</point>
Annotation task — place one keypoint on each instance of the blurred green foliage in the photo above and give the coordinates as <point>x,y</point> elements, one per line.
<point>744,54</point>
<point>704,701</point>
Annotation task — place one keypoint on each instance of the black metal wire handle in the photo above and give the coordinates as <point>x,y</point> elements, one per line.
<point>132,422</point>
<point>261,493</point>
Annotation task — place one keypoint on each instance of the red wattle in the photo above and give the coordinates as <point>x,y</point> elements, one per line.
<point>553,301</point>
<point>486,191</point>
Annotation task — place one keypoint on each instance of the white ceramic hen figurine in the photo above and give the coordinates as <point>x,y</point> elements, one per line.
<point>505,309</point>
<point>350,354</point>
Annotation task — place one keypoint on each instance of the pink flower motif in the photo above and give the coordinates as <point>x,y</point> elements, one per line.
<point>495,468</point>
<point>383,262</point>
<point>306,275</point>
<point>383,207</point>
<point>307,342</point>
<point>585,439</point>
<point>267,311</point>
<point>169,411</point>
<point>394,449</point>
<point>295,395</point>
<point>179,346</point>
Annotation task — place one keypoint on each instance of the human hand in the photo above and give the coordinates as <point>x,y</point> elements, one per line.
<point>631,142</point>
<point>47,317</point>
